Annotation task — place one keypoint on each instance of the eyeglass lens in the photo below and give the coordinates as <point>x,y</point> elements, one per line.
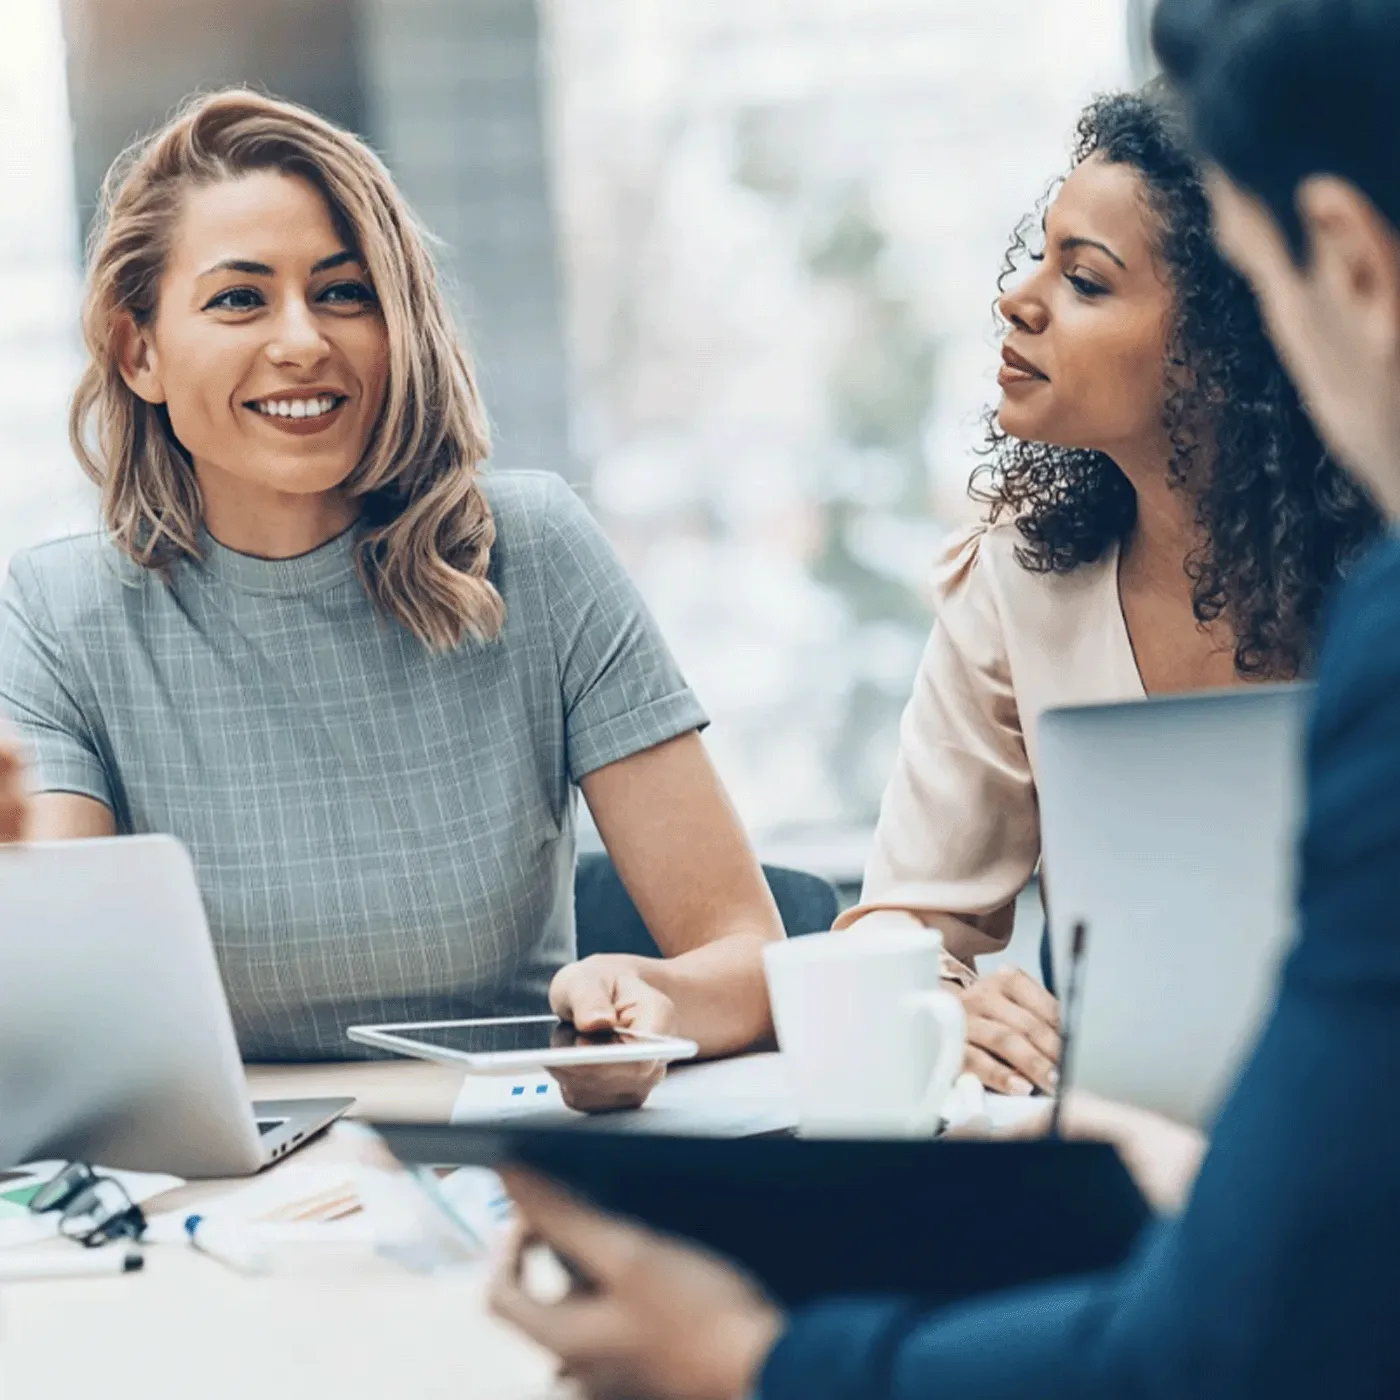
<point>102,1212</point>
<point>65,1186</point>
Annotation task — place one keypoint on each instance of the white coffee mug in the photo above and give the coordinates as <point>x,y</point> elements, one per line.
<point>870,1043</point>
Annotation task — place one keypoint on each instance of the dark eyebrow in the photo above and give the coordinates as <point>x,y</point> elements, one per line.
<point>335,260</point>
<point>1067,243</point>
<point>257,269</point>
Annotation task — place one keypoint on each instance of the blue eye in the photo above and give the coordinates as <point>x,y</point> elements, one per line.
<point>236,299</point>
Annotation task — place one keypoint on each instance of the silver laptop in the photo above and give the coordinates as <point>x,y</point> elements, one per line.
<point>116,1045</point>
<point>1169,828</point>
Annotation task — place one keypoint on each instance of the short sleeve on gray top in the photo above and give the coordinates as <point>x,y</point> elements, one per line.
<point>380,834</point>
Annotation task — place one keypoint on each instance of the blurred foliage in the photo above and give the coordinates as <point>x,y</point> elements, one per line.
<point>880,393</point>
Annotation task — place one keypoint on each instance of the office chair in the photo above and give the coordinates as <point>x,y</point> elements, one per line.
<point>608,921</point>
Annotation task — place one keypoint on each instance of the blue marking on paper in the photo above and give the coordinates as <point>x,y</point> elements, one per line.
<point>489,1098</point>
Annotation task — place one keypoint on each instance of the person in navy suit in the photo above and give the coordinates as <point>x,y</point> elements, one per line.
<point>1279,1279</point>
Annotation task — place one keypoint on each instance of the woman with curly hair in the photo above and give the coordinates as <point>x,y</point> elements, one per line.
<point>1160,517</point>
<point>360,679</point>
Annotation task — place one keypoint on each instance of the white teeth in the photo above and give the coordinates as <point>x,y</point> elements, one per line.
<point>296,408</point>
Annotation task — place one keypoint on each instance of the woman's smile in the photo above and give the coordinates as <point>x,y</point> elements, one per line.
<point>300,412</point>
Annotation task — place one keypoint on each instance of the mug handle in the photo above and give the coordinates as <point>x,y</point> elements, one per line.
<point>948,1012</point>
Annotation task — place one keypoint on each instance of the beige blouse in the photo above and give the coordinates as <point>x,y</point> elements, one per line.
<point>959,828</point>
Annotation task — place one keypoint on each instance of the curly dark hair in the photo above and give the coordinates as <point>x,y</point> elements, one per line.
<point>1278,517</point>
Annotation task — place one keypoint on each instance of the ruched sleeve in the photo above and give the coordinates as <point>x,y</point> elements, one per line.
<point>959,834</point>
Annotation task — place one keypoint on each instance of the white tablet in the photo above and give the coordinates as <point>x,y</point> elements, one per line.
<point>507,1045</point>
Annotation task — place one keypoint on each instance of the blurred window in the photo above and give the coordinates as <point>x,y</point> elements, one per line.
<point>781,225</point>
<point>42,493</point>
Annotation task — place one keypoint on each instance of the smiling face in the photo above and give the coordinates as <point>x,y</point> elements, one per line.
<point>1083,361</point>
<point>267,346</point>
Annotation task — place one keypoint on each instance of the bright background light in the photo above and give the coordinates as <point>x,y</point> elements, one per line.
<point>777,226</point>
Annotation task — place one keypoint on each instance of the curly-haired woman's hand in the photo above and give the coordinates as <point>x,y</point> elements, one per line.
<point>1013,1032</point>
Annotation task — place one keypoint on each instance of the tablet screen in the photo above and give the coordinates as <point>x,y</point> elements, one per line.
<point>547,1034</point>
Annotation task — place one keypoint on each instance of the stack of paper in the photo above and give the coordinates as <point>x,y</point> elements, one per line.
<point>738,1097</point>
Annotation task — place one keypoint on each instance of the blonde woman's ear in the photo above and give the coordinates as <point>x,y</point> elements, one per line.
<point>136,359</point>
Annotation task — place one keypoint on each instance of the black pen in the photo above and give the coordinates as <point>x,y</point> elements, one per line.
<point>1076,963</point>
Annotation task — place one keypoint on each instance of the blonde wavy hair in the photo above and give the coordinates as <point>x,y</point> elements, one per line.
<point>425,531</point>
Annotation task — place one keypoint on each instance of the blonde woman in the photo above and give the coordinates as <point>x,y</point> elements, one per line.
<point>359,680</point>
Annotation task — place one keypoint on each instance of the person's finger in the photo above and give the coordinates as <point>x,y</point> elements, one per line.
<point>510,1253</point>
<point>996,1006</point>
<point>600,1088</point>
<point>1012,1048</point>
<point>566,1328</point>
<point>584,997</point>
<point>1025,991</point>
<point>641,1007</point>
<point>597,1243</point>
<point>994,1074</point>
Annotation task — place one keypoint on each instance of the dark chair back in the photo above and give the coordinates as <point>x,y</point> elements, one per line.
<point>608,921</point>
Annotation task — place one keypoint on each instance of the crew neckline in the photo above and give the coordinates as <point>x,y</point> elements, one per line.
<point>326,566</point>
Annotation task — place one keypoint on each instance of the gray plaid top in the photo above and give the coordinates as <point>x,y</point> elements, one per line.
<point>379,833</point>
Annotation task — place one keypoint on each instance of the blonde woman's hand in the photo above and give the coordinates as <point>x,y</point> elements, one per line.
<point>603,993</point>
<point>1013,1032</point>
<point>14,796</point>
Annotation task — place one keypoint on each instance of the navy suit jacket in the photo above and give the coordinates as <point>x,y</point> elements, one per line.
<point>1282,1277</point>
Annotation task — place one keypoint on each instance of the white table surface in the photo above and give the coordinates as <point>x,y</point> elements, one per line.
<point>331,1322</point>
<point>337,1324</point>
